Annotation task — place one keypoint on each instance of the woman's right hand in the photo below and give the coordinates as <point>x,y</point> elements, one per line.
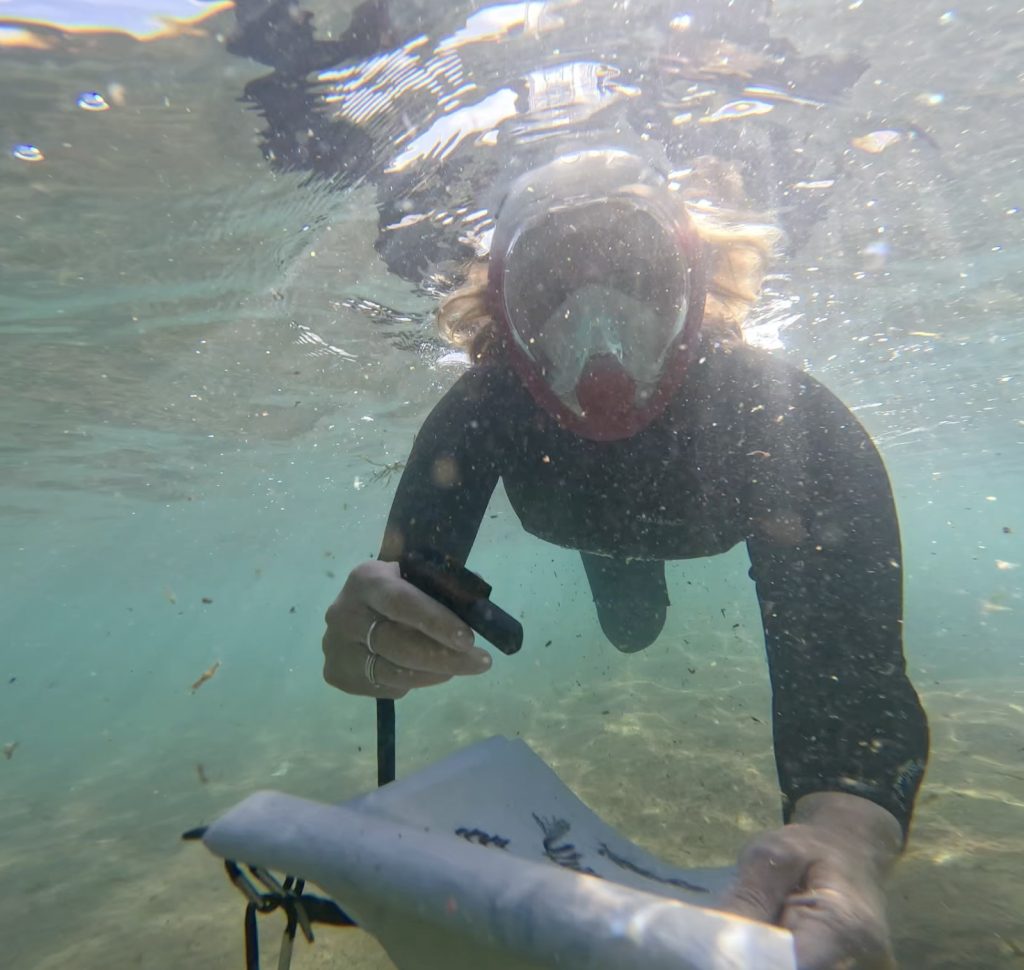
<point>415,641</point>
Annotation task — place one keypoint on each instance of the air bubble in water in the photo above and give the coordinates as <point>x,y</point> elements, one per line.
<point>27,153</point>
<point>92,101</point>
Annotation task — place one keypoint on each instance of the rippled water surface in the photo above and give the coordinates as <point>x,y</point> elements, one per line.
<point>218,345</point>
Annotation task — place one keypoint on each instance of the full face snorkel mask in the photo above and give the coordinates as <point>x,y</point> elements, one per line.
<point>595,276</point>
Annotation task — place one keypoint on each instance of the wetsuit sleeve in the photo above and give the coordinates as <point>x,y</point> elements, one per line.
<point>450,474</point>
<point>826,560</point>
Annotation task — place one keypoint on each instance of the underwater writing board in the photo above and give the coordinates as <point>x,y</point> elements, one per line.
<point>486,859</point>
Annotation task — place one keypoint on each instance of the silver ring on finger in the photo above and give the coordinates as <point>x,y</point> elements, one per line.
<point>369,636</point>
<point>369,668</point>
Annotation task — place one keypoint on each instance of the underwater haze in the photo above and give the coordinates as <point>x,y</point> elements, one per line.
<point>218,350</point>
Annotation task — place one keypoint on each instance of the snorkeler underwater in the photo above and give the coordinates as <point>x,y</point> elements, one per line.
<point>523,485</point>
<point>612,256</point>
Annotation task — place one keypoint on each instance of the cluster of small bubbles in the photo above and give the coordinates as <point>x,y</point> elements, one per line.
<point>27,153</point>
<point>92,101</point>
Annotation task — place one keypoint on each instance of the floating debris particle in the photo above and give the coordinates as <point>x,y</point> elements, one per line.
<point>205,676</point>
<point>737,109</point>
<point>201,773</point>
<point>876,255</point>
<point>989,607</point>
<point>207,600</point>
<point>169,595</point>
<point>876,142</point>
<point>815,184</point>
<point>385,471</point>
<point>9,749</point>
<point>784,97</point>
<point>1006,566</point>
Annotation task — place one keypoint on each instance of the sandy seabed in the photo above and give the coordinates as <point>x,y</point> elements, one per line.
<point>98,878</point>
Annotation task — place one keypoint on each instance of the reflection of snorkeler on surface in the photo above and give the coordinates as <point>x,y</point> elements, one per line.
<point>411,99</point>
<point>612,394</point>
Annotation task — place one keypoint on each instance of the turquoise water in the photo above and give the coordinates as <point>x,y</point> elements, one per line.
<point>195,405</point>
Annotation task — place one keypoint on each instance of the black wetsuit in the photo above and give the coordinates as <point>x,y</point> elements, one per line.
<point>750,450</point>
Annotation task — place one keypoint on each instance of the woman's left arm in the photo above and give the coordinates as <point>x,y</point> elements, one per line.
<point>851,739</point>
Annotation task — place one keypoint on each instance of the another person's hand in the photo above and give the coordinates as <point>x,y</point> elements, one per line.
<point>385,637</point>
<point>821,878</point>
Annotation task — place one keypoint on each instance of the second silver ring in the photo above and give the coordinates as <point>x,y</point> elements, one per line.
<point>368,669</point>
